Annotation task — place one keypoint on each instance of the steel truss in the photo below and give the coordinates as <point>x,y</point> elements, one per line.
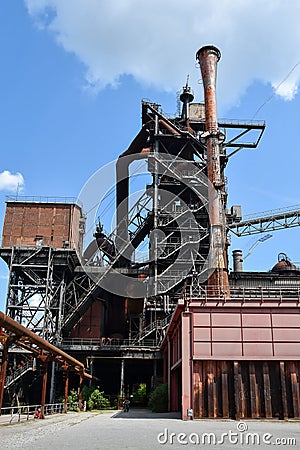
<point>37,286</point>
<point>278,219</point>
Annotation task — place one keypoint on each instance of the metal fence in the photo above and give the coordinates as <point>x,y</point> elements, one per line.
<point>107,343</point>
<point>13,414</point>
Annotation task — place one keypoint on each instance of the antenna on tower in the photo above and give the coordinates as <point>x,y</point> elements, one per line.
<point>187,80</point>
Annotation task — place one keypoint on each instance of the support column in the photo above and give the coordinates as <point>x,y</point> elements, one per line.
<point>254,395</point>
<point>201,389</point>
<point>66,390</point>
<point>238,392</point>
<point>5,344</point>
<point>211,390</point>
<point>52,385</point>
<point>225,397</point>
<point>80,403</point>
<point>283,391</point>
<point>267,391</point>
<point>186,365</point>
<point>44,386</point>
<point>122,380</point>
<point>91,370</point>
<point>295,390</point>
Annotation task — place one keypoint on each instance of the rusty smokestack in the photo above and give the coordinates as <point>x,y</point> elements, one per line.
<point>208,58</point>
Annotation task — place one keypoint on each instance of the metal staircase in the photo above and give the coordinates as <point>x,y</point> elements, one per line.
<point>29,366</point>
<point>139,222</point>
<point>157,326</point>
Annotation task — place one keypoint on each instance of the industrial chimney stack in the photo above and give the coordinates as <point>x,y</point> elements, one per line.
<point>208,58</point>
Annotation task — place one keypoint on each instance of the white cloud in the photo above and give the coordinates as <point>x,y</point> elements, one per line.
<point>156,41</point>
<point>11,182</point>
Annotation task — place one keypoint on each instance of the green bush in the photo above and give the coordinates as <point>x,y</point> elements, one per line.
<point>97,401</point>
<point>73,400</point>
<point>158,401</point>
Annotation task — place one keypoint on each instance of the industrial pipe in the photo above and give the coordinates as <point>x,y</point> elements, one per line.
<point>13,326</point>
<point>237,260</point>
<point>137,149</point>
<point>208,58</point>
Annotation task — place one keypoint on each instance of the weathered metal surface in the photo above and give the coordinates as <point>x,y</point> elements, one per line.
<point>208,58</point>
<point>267,391</point>
<point>24,335</point>
<point>44,388</point>
<point>5,341</point>
<point>283,390</point>
<point>32,224</point>
<point>254,394</point>
<point>249,393</point>
<point>244,362</point>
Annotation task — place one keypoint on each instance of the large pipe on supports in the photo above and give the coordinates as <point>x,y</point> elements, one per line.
<point>41,348</point>
<point>208,58</point>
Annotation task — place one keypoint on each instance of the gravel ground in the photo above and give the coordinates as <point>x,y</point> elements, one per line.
<point>140,429</point>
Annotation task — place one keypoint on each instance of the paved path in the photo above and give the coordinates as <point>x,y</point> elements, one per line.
<point>139,429</point>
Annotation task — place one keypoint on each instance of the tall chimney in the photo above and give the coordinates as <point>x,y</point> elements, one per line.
<point>218,283</point>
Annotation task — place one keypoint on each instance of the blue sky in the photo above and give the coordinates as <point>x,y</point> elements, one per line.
<point>74,73</point>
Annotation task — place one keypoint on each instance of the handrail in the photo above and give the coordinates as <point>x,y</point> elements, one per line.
<point>43,199</point>
<point>108,343</point>
<point>20,413</point>
<point>244,293</point>
<point>29,365</point>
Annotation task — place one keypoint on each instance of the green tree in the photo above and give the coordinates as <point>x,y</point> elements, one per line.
<point>158,401</point>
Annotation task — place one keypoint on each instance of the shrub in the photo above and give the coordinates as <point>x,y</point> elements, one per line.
<point>97,401</point>
<point>158,401</point>
<point>73,400</point>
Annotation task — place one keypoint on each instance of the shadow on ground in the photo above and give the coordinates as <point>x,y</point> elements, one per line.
<point>136,413</point>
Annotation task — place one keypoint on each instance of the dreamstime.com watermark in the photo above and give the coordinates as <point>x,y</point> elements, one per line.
<point>241,436</point>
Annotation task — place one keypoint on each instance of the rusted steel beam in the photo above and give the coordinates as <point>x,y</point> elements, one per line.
<point>21,332</point>
<point>225,398</point>
<point>208,58</point>
<point>212,390</point>
<point>236,390</point>
<point>283,390</point>
<point>5,346</point>
<point>66,390</point>
<point>44,388</point>
<point>254,394</point>
<point>295,389</point>
<point>196,380</point>
<point>267,391</point>
<point>215,388</point>
<point>239,392</point>
<point>80,395</point>
<point>201,391</point>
